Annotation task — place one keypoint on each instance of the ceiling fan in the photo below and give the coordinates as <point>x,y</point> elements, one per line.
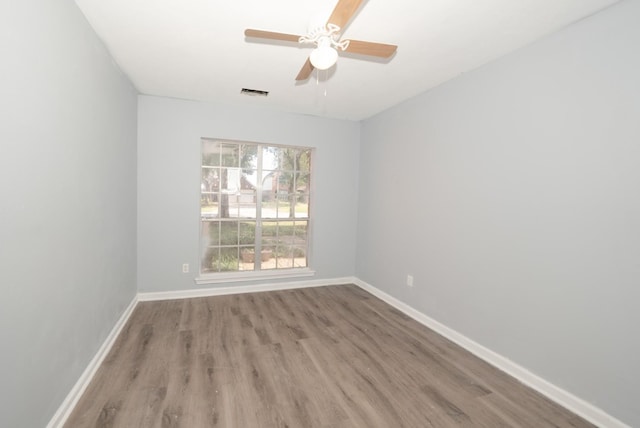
<point>327,40</point>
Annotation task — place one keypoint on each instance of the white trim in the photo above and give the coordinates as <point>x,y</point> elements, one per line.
<point>221,291</point>
<point>222,278</point>
<point>577,405</point>
<point>65,409</point>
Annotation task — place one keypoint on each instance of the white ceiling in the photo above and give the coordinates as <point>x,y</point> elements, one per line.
<point>196,49</point>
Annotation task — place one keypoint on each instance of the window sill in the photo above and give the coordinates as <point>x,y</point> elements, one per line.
<point>217,278</point>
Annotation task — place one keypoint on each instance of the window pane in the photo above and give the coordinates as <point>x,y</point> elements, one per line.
<point>226,260</point>
<point>286,233</point>
<point>229,190</point>
<point>210,179</point>
<point>285,207</point>
<point>229,233</point>
<point>271,157</point>
<point>284,262</point>
<point>210,153</point>
<point>208,209</point>
<point>302,182</point>
<point>247,233</point>
<point>247,210</point>
<point>270,207</point>
<point>299,257</point>
<point>208,256</point>
<point>209,188</point>
<point>282,207</point>
<point>268,257</point>
<point>304,161</point>
<point>302,206</point>
<point>234,206</point>
<point>230,180</point>
<point>230,155</point>
<point>269,183</point>
<point>288,159</point>
<point>247,203</point>
<point>269,233</point>
<point>247,258</point>
<point>285,183</point>
<point>211,230</point>
<point>300,232</point>
<point>248,156</point>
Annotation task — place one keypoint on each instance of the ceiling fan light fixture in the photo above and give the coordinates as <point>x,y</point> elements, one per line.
<point>324,56</point>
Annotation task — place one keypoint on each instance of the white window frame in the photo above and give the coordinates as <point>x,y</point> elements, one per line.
<point>256,275</point>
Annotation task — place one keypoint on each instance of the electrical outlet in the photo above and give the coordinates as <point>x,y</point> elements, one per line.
<point>185,268</point>
<point>410,280</point>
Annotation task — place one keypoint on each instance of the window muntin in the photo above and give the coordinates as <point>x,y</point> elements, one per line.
<point>254,200</point>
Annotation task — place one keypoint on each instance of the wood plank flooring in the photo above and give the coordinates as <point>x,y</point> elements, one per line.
<point>327,357</point>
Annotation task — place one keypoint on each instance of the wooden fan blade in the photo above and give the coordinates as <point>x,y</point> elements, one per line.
<point>343,12</point>
<point>305,71</point>
<point>369,48</point>
<point>271,35</point>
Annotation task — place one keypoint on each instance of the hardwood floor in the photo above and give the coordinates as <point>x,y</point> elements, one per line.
<point>316,357</point>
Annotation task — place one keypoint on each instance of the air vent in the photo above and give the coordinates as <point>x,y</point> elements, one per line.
<point>254,92</point>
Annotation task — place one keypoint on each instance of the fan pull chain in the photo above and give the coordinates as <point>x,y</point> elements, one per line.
<point>324,82</point>
<point>321,90</point>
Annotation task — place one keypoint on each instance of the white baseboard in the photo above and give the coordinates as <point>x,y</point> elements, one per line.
<point>65,409</point>
<point>254,288</point>
<point>577,405</point>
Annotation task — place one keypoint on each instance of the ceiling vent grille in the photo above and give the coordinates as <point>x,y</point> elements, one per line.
<point>254,92</point>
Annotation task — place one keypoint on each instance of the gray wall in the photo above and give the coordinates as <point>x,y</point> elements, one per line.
<point>511,194</point>
<point>67,213</point>
<point>169,133</point>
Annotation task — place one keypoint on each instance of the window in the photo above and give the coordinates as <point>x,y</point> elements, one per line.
<point>254,207</point>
